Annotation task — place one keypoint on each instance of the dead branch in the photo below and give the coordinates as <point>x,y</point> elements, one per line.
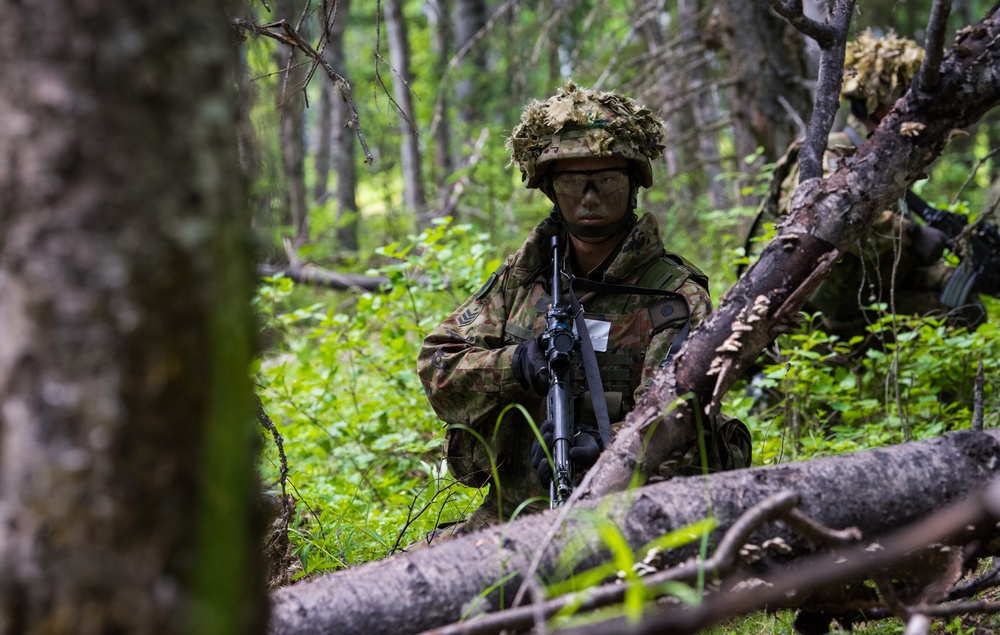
<point>827,215</point>
<point>929,73</point>
<point>832,40</point>
<point>291,37</point>
<point>824,34</point>
<point>309,274</point>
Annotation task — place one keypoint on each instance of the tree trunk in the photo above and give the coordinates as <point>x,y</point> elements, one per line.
<point>470,17</point>
<point>291,131</point>
<point>414,197</point>
<point>126,427</point>
<point>324,142</point>
<point>875,491</point>
<point>703,112</point>
<point>767,60</point>
<point>343,139</point>
<point>826,216</point>
<point>437,17</point>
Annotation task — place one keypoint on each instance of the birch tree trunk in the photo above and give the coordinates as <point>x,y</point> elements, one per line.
<point>126,430</point>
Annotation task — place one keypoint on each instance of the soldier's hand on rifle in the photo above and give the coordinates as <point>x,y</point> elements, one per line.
<point>928,243</point>
<point>586,448</point>
<point>538,459</point>
<point>530,366</point>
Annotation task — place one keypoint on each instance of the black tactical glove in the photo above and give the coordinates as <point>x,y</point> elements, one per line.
<point>584,451</point>
<point>928,243</point>
<point>530,366</point>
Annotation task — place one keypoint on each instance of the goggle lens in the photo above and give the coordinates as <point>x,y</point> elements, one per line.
<point>604,181</point>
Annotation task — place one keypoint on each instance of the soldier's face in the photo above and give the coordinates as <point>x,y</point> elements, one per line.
<point>591,191</point>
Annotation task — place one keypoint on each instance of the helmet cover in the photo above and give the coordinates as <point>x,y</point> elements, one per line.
<point>579,122</point>
<point>879,70</point>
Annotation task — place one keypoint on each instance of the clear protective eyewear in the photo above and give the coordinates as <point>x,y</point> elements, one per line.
<point>607,181</point>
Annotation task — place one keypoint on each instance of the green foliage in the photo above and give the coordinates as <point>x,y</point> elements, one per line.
<point>913,378</point>
<point>362,444</point>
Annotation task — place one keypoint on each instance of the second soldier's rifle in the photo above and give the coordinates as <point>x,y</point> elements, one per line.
<point>979,270</point>
<point>560,345</point>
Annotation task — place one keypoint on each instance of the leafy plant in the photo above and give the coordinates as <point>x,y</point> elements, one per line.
<point>362,443</point>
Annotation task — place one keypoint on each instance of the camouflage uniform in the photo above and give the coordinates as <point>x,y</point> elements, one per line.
<point>881,259</point>
<point>465,363</point>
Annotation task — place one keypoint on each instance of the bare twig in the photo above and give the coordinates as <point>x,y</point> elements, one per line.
<point>457,188</point>
<point>972,174</point>
<point>291,37</point>
<point>379,58</point>
<point>824,34</point>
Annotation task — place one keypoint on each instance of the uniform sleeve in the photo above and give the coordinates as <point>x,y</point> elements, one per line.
<point>464,366</point>
<point>700,305</point>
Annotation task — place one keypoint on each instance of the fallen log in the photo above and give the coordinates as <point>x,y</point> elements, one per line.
<point>309,274</point>
<point>876,491</point>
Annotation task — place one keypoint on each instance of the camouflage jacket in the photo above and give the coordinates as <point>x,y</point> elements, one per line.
<point>465,363</point>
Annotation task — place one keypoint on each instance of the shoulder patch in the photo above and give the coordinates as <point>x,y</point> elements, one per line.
<point>492,280</point>
<point>670,311</point>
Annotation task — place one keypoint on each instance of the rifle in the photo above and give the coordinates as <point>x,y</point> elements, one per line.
<point>560,345</point>
<point>979,270</point>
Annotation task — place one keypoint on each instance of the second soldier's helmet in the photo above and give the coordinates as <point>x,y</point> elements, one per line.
<point>578,122</point>
<point>878,70</point>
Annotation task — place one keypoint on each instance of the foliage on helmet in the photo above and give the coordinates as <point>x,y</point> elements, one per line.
<point>579,122</point>
<point>879,70</point>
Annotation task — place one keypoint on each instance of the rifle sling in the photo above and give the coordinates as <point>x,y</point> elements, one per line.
<point>594,383</point>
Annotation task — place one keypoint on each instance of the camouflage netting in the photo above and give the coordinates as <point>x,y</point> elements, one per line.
<point>578,122</point>
<point>879,70</point>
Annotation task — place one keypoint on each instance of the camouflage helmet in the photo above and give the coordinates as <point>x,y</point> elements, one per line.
<point>879,70</point>
<point>578,122</point>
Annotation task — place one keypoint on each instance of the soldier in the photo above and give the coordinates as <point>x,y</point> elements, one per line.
<point>898,261</point>
<point>589,152</point>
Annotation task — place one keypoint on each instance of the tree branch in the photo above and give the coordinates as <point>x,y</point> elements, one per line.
<point>291,37</point>
<point>929,74</point>
<point>824,34</point>
<point>828,82</point>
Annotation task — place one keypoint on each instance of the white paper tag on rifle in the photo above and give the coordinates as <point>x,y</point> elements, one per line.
<point>600,331</point>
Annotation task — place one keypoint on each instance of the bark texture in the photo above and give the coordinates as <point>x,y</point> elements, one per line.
<point>875,491</point>
<point>126,435</point>
<point>827,215</point>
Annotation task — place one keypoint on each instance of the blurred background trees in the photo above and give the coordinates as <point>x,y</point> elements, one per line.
<point>438,84</point>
